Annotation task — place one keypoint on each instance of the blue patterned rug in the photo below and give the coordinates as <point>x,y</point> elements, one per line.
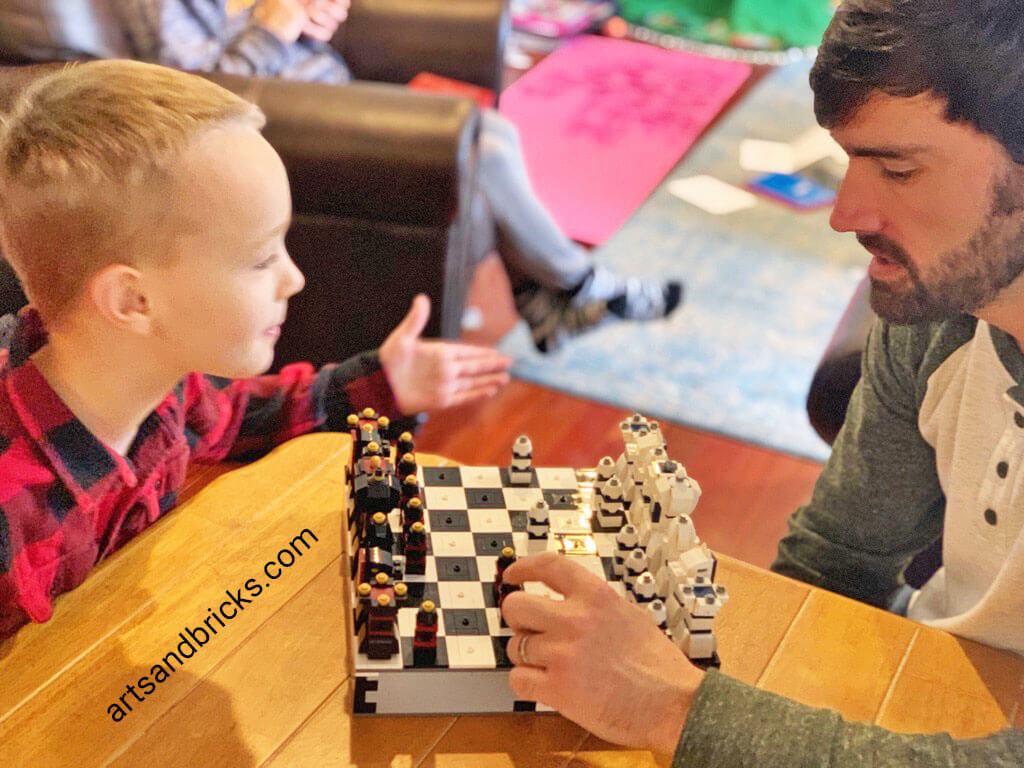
<point>765,288</point>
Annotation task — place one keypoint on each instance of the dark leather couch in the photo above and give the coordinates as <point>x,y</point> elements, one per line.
<point>381,177</point>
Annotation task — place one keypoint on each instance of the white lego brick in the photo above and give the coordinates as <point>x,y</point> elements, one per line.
<point>700,645</point>
<point>556,477</point>
<point>470,652</point>
<point>448,544</point>
<point>605,544</point>
<point>395,521</point>
<point>454,595</point>
<point>440,691</point>
<point>489,521</point>
<point>486,567</point>
<point>494,627</point>
<point>569,521</point>
<point>522,498</point>
<point>521,542</point>
<point>365,664</point>
<point>406,622</point>
<point>698,623</point>
<point>444,497</point>
<point>480,477</point>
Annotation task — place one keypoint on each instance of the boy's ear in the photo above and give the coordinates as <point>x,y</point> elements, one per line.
<point>116,293</point>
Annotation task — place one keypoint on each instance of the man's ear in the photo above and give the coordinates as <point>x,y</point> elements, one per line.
<point>116,292</point>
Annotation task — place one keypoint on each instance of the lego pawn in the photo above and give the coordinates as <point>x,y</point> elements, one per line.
<point>659,614</point>
<point>412,512</point>
<point>626,541</point>
<point>520,471</point>
<point>610,510</point>
<point>416,549</point>
<point>424,642</point>
<point>644,590</point>
<point>410,489</point>
<point>539,520</point>
<point>636,564</point>
<point>407,464</point>
<point>405,444</point>
<point>501,589</point>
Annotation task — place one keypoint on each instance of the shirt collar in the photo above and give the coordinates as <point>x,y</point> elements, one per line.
<point>81,460</point>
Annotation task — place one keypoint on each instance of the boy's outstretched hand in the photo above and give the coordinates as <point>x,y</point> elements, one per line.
<point>427,375</point>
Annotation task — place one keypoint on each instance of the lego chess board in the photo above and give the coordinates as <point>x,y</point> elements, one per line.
<point>470,514</point>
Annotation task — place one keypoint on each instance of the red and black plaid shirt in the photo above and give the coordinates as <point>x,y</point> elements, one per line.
<point>67,500</point>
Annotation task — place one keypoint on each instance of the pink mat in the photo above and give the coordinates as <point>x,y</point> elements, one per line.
<point>602,121</point>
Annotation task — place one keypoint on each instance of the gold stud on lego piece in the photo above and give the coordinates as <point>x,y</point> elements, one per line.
<point>381,577</point>
<point>401,589</point>
<point>415,502</point>
<point>410,480</point>
<point>368,413</point>
<point>364,589</point>
<point>373,447</point>
<point>507,551</point>
<point>384,422</point>
<point>375,462</point>
<point>352,419</point>
<point>409,458</point>
<point>428,606</point>
<point>379,517</point>
<point>406,437</point>
<point>383,600</point>
<point>417,527</point>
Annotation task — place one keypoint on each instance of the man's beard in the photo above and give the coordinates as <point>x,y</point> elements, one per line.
<point>966,278</point>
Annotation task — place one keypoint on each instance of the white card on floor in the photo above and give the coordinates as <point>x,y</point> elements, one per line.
<point>766,156</point>
<point>711,194</point>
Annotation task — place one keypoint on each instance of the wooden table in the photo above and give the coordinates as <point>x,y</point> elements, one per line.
<point>272,687</point>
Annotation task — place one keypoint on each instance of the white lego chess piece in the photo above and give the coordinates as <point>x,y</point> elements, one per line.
<point>610,510</point>
<point>626,541</point>
<point>539,520</point>
<point>644,590</point>
<point>658,613</point>
<point>520,471</point>
<point>636,564</point>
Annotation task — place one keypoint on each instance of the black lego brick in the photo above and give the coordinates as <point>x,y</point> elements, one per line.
<point>456,569</point>
<point>492,543</point>
<point>501,660</point>
<point>561,498</point>
<point>519,519</point>
<point>442,476</point>
<point>465,621</point>
<point>360,705</point>
<point>420,591</point>
<point>441,661</point>
<point>449,521</point>
<point>506,481</point>
<point>485,498</point>
<point>524,706</point>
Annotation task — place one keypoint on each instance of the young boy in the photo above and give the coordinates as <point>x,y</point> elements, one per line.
<point>145,216</point>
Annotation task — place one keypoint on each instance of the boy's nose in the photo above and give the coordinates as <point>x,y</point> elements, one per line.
<point>294,281</point>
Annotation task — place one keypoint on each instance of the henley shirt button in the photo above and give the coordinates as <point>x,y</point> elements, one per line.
<point>1002,468</point>
<point>990,516</point>
<point>1018,419</point>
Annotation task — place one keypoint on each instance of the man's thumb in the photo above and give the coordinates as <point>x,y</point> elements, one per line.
<point>415,320</point>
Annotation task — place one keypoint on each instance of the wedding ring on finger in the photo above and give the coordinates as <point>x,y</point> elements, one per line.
<point>523,658</point>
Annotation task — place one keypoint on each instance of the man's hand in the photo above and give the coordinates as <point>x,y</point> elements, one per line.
<point>284,19</point>
<point>596,658</point>
<point>426,375</point>
<point>325,16</point>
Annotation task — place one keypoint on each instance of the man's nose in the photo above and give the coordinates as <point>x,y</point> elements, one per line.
<point>856,208</point>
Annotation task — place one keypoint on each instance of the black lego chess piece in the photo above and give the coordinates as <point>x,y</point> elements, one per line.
<point>407,464</point>
<point>424,642</point>
<point>416,549</point>
<point>501,588</point>
<point>405,444</point>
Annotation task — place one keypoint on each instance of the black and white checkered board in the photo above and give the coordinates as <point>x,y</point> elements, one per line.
<point>471,513</point>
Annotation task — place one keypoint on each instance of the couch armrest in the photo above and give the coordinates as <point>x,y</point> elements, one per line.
<point>393,40</point>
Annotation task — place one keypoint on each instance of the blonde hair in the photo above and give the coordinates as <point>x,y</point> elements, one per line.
<point>81,155</point>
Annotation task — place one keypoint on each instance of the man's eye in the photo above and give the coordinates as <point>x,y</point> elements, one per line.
<point>899,175</point>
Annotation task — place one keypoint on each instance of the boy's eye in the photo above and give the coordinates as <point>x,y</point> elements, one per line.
<point>899,174</point>
<point>267,262</point>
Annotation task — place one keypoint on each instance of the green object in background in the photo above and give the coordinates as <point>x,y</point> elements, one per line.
<point>741,23</point>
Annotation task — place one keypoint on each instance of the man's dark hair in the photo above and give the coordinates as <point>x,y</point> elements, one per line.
<point>971,52</point>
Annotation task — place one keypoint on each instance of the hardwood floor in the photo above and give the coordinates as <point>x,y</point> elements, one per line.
<point>748,491</point>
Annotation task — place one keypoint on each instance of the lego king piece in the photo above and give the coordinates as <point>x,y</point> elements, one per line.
<point>429,546</point>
